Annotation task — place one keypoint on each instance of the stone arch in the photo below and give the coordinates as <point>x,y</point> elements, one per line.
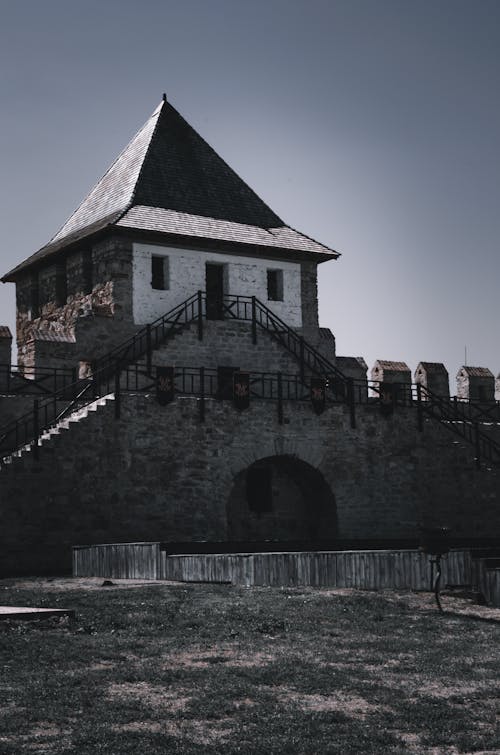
<point>281,498</point>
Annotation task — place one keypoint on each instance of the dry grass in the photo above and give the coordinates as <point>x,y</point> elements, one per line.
<point>216,670</point>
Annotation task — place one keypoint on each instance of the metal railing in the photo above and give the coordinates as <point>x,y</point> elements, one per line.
<point>23,380</point>
<point>119,370</point>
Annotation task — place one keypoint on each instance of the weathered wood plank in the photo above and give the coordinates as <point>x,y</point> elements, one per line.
<point>370,570</point>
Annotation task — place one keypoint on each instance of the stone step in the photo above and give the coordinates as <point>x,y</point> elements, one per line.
<point>63,425</point>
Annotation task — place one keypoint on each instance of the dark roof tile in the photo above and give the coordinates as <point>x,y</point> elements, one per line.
<point>169,176</point>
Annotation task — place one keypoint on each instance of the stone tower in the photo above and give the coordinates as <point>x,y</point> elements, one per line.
<point>168,218</point>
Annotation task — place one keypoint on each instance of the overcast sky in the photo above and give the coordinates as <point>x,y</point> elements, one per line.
<point>371,125</point>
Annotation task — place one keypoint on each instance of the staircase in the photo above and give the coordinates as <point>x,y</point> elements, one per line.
<point>47,435</point>
<point>454,418</point>
<point>49,417</point>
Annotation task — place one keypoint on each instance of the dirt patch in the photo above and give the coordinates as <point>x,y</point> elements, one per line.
<point>153,696</point>
<point>205,658</point>
<point>339,702</point>
<point>201,732</point>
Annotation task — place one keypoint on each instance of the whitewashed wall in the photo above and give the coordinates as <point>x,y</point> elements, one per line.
<point>246,276</point>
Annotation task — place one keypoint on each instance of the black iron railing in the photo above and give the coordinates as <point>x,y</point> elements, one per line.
<point>19,379</point>
<point>246,308</point>
<point>128,367</point>
<point>455,418</point>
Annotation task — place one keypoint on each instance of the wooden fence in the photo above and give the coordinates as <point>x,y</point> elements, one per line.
<point>367,570</point>
<point>117,560</point>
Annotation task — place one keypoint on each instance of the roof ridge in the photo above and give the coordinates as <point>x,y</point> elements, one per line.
<point>158,108</point>
<point>109,169</point>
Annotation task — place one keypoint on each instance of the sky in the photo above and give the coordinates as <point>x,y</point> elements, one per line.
<point>371,125</point>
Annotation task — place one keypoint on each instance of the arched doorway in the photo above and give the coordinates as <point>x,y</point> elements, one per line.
<point>281,499</point>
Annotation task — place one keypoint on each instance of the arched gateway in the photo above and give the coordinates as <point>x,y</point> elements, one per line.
<point>281,499</point>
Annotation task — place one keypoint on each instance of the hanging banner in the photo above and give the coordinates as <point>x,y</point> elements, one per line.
<point>318,394</point>
<point>387,396</point>
<point>241,390</point>
<point>165,387</point>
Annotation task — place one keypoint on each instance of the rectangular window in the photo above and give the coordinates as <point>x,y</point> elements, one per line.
<point>159,273</point>
<point>61,284</point>
<point>275,285</point>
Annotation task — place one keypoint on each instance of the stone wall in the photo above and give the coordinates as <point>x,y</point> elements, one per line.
<point>226,343</point>
<point>98,288</point>
<point>5,345</point>
<point>309,296</point>
<point>158,473</point>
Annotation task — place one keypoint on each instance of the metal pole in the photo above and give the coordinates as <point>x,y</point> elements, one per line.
<point>200,316</point>
<point>437,581</point>
<point>36,428</point>
<point>478,445</point>
<point>302,370</point>
<point>117,392</point>
<point>254,321</point>
<point>148,349</point>
<point>280,398</point>
<point>202,394</point>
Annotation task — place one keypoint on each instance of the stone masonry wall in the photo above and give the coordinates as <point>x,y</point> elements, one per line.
<point>226,343</point>
<point>99,319</point>
<point>158,473</point>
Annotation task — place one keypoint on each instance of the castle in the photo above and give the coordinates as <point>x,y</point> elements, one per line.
<point>173,384</point>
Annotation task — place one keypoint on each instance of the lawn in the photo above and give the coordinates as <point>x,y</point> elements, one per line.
<point>176,668</point>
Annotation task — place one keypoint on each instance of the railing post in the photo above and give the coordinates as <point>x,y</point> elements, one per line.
<point>117,392</point>
<point>148,349</point>
<point>202,394</point>
<point>478,445</point>
<point>200,316</point>
<point>280,398</point>
<point>74,378</point>
<point>351,402</point>
<point>302,366</point>
<point>36,428</point>
<point>254,321</point>
<point>420,418</point>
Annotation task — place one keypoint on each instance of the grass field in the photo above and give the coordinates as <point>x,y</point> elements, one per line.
<point>171,668</point>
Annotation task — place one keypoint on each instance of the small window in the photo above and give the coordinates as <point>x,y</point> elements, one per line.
<point>159,273</point>
<point>61,285</point>
<point>275,285</point>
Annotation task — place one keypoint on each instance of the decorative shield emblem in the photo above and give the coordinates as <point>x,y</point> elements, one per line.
<point>387,396</point>
<point>165,385</point>
<point>318,394</point>
<point>241,390</point>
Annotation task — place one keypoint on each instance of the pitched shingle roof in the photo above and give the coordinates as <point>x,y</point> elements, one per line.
<point>477,371</point>
<point>391,366</point>
<point>197,226</point>
<point>169,180</point>
<point>432,367</point>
